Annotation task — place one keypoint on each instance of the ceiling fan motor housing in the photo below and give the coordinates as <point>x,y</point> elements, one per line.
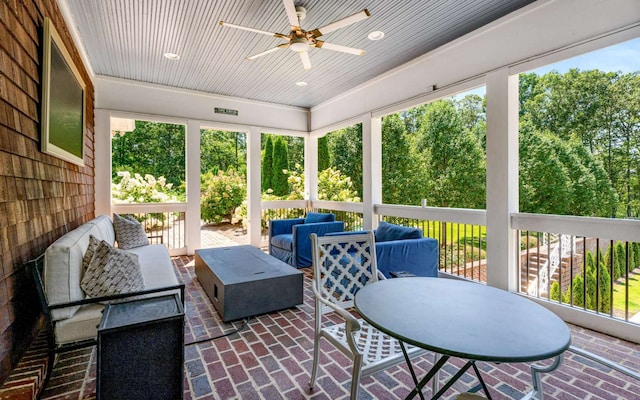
<point>301,12</point>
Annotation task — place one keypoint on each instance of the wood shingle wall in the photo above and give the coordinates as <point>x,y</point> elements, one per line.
<point>41,196</point>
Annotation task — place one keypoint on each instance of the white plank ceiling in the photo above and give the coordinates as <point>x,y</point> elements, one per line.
<point>127,38</point>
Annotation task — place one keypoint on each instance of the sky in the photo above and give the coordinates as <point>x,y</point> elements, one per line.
<point>624,57</point>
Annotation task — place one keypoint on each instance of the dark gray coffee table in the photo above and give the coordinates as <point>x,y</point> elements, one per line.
<point>242,281</point>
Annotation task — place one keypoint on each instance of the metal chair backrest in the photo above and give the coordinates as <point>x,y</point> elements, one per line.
<point>342,264</point>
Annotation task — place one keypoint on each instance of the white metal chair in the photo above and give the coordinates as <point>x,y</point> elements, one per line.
<point>341,266</point>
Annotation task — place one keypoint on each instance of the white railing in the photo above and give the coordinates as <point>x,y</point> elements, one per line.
<point>597,236</point>
<point>164,222</point>
<point>567,227</point>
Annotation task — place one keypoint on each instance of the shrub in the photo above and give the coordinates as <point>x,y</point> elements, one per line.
<point>555,291</point>
<point>147,189</point>
<point>334,186</point>
<point>221,194</point>
<point>137,189</point>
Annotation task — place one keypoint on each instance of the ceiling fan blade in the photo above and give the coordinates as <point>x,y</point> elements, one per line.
<point>364,14</point>
<point>246,28</point>
<point>306,61</point>
<point>264,53</point>
<point>337,47</point>
<point>290,8</point>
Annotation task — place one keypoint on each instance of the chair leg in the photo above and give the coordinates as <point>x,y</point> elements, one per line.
<point>355,377</point>
<point>316,343</point>
<point>316,360</point>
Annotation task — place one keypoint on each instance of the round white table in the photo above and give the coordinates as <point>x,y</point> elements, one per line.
<point>467,320</point>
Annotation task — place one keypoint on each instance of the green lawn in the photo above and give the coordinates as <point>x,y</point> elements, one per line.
<point>634,295</point>
<point>458,233</point>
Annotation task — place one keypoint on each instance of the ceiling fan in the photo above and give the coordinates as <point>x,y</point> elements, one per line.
<point>299,40</point>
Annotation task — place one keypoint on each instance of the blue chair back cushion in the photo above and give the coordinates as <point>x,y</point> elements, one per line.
<point>387,232</point>
<point>312,217</point>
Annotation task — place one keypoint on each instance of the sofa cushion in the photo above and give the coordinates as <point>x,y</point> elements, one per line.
<point>156,266</point>
<point>319,217</point>
<point>63,266</point>
<point>81,326</point>
<point>387,232</point>
<point>129,232</point>
<point>157,271</point>
<point>284,241</point>
<point>105,229</point>
<point>111,271</point>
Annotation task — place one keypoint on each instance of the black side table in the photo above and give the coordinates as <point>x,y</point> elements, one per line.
<point>141,349</point>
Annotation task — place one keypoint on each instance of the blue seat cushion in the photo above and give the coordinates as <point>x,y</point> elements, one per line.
<point>387,232</point>
<point>284,241</point>
<point>312,217</point>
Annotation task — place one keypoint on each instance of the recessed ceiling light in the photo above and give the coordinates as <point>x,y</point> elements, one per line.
<point>301,83</point>
<point>377,35</point>
<point>172,56</point>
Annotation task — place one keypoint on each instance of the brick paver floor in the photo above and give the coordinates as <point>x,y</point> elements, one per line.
<point>271,358</point>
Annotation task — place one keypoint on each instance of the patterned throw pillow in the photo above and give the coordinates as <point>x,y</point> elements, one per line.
<point>111,271</point>
<point>88,255</point>
<point>129,232</point>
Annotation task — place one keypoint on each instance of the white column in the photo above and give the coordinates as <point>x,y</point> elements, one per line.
<point>254,206</point>
<point>192,228</point>
<point>371,168</point>
<point>376,167</point>
<point>102,162</point>
<point>502,178</point>
<point>311,168</point>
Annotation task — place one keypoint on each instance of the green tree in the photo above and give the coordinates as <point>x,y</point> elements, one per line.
<point>267,164</point>
<point>345,148</point>
<point>280,167</point>
<point>413,117</point>
<point>473,116</point>
<point>544,184</point>
<point>605,289</point>
<point>561,177</point>
<point>577,287</point>
<point>620,264</point>
<point>323,154</point>
<point>152,148</point>
<point>602,111</point>
<point>220,150</point>
<point>402,182</point>
<point>295,150</point>
<point>455,163</point>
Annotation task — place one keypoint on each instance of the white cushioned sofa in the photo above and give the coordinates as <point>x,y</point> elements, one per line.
<point>72,318</point>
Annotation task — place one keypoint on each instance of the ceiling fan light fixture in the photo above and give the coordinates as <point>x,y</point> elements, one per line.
<point>299,44</point>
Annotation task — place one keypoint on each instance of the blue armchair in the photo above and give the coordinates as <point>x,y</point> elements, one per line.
<point>402,249</point>
<point>289,238</point>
